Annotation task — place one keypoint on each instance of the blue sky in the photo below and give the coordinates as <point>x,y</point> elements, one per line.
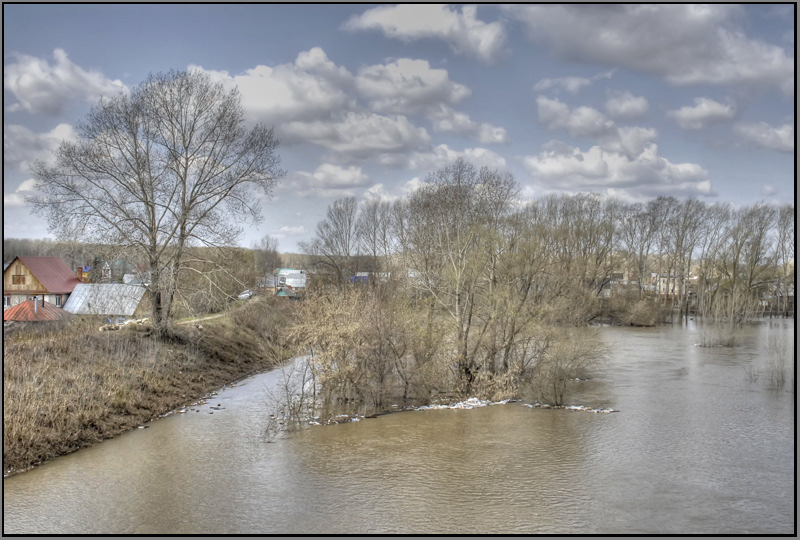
<point>633,101</point>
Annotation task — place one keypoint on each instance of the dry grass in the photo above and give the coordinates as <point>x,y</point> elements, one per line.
<point>69,386</point>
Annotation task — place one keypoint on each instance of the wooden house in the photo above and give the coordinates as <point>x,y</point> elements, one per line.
<point>47,278</point>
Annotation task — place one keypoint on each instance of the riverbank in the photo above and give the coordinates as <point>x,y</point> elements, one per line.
<point>69,386</point>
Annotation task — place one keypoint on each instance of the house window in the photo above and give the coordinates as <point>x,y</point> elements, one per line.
<point>58,300</point>
<point>18,280</point>
<point>6,301</point>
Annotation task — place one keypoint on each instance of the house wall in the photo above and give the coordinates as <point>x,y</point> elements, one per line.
<point>30,287</point>
<point>49,298</point>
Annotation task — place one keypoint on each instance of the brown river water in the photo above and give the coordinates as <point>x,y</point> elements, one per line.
<point>697,446</point>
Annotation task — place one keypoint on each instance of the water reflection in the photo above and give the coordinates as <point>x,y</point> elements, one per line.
<point>696,448</point>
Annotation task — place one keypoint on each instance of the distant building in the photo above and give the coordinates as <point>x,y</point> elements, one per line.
<point>46,278</point>
<point>296,279</point>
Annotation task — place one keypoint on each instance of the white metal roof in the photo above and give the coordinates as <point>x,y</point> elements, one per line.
<point>104,299</point>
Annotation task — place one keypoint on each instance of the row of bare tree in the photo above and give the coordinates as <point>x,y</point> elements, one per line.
<point>490,296</point>
<point>453,232</point>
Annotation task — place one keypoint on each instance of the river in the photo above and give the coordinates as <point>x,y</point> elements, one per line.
<point>698,446</point>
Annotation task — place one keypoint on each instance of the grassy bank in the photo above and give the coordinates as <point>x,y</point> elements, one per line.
<point>68,386</point>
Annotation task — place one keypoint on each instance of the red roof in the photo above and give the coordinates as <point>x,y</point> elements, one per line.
<point>27,312</point>
<point>53,272</point>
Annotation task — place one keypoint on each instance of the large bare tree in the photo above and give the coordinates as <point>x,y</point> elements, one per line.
<point>167,166</point>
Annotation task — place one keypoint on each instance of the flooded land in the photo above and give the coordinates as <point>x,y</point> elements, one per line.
<point>702,443</point>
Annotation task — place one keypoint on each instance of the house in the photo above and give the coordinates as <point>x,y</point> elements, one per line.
<point>34,311</point>
<point>48,278</point>
<point>296,279</point>
<point>287,292</point>
<point>117,301</point>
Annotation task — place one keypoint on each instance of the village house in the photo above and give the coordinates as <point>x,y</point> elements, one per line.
<point>115,301</point>
<point>46,278</point>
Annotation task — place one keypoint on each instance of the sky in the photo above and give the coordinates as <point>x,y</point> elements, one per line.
<point>632,101</point>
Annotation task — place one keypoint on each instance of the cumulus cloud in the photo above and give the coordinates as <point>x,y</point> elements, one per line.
<point>704,112</point>
<point>379,193</point>
<point>327,181</point>
<point>462,31</point>
<point>41,87</point>
<point>629,141</point>
<point>625,105</point>
<point>18,197</point>
<point>580,122</point>
<point>564,167</point>
<point>443,155</point>
<point>315,100</point>
<point>683,43</point>
<point>571,84</point>
<point>21,146</point>
<point>309,89</point>
<point>408,86</point>
<point>780,138</point>
<point>446,118</point>
<point>360,134</point>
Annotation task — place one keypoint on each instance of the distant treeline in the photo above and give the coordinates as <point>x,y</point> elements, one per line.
<point>73,253</point>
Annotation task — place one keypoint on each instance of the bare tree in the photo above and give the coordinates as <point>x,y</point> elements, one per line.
<point>164,167</point>
<point>267,258</point>
<point>784,254</point>
<point>336,244</point>
<point>636,233</point>
<point>374,232</point>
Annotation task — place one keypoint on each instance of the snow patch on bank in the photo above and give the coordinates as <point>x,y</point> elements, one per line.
<point>581,408</point>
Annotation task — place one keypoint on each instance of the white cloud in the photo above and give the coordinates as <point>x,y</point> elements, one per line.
<point>446,118</point>
<point>412,185</point>
<point>571,84</point>
<point>18,197</point>
<point>21,146</point>
<point>463,31</point>
<point>490,134</point>
<point>581,121</point>
<point>293,230</point>
<point>13,199</point>
<point>44,88</point>
<point>311,88</point>
<point>27,185</point>
<point>443,155</point>
<point>361,135</point>
<point>683,43</point>
<point>704,112</point>
<point>564,167</point>
<point>626,105</point>
<point>768,190</point>
<point>327,181</point>
<point>779,138</point>
<point>378,193</point>
<point>588,122</point>
<point>630,141</point>
<point>408,86</point>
